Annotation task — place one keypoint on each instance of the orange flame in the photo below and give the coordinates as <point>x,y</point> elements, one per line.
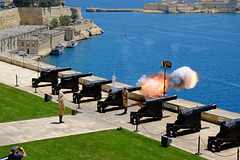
<point>153,85</point>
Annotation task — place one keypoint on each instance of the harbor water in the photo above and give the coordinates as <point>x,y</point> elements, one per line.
<point>134,43</point>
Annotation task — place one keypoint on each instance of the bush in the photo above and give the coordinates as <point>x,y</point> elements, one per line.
<point>74,17</point>
<point>23,3</point>
<point>53,23</point>
<point>47,3</point>
<point>65,20</point>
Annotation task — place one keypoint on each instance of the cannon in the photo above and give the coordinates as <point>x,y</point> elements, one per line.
<point>69,81</point>
<point>49,75</point>
<point>114,98</point>
<point>189,118</point>
<point>90,89</point>
<point>151,108</point>
<point>229,133</point>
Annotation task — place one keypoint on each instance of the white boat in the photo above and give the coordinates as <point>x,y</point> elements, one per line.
<point>72,44</point>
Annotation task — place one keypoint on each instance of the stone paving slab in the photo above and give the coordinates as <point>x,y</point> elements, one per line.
<point>90,120</point>
<point>44,128</point>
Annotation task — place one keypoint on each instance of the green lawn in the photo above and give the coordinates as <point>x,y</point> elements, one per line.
<point>18,105</point>
<point>107,145</point>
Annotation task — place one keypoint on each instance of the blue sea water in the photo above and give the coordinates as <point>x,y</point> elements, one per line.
<point>208,44</point>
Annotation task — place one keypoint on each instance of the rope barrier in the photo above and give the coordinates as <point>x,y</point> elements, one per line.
<point>187,139</point>
<point>152,133</point>
<point>22,83</point>
<point>203,142</point>
<point>27,76</point>
<point>35,62</point>
<point>225,156</point>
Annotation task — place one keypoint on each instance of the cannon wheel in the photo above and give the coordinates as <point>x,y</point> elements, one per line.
<point>74,99</point>
<point>98,97</point>
<point>54,92</point>
<point>74,89</point>
<point>217,148</point>
<point>131,119</point>
<point>78,100</point>
<point>35,82</point>
<point>159,117</point>
<point>209,146</point>
<point>137,120</point>
<point>99,108</point>
<point>196,129</point>
<point>103,109</point>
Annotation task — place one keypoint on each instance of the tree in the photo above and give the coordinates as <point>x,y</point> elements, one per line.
<point>74,17</point>
<point>65,20</point>
<point>23,3</point>
<point>47,3</point>
<point>53,23</point>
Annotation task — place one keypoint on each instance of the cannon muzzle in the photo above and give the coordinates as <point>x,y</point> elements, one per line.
<point>160,99</point>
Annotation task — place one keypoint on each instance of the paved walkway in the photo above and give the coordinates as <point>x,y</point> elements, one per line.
<point>90,120</point>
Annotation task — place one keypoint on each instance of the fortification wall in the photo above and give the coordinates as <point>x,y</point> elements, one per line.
<point>31,16</point>
<point>9,18</point>
<point>77,11</point>
<point>55,12</point>
<point>42,16</point>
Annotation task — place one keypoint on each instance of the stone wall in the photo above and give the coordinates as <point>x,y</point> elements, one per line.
<point>9,18</point>
<point>31,16</point>
<point>77,11</point>
<point>42,16</point>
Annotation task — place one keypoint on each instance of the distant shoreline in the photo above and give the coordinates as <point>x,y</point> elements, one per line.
<point>212,11</point>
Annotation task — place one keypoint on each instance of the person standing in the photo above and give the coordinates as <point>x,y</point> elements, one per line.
<point>61,107</point>
<point>125,95</point>
<point>14,155</point>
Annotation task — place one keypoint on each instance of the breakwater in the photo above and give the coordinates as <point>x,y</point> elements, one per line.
<point>114,9</point>
<point>215,116</point>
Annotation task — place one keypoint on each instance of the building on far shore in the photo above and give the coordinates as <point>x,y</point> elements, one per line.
<point>41,43</point>
<point>9,37</point>
<point>194,6</point>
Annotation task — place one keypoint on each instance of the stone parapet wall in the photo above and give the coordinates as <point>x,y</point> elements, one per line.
<point>214,116</point>
<point>9,18</point>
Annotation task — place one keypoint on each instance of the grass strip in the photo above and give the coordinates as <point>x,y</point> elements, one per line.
<point>20,105</point>
<point>107,145</point>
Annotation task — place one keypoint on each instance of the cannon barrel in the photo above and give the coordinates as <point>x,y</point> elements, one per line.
<point>90,84</point>
<point>131,89</point>
<point>105,81</point>
<point>193,110</point>
<point>160,99</point>
<point>62,69</point>
<point>56,69</point>
<point>77,75</point>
